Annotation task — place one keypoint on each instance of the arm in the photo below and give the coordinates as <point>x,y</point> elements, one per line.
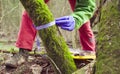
<point>83,11</point>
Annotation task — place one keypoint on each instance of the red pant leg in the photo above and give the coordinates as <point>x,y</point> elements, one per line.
<point>72,4</point>
<point>46,1</point>
<point>87,37</point>
<point>26,33</point>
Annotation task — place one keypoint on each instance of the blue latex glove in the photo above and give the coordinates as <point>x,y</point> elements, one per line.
<point>66,22</point>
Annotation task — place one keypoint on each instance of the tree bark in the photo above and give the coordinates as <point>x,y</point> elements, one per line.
<point>55,45</point>
<point>119,5</point>
<point>108,48</point>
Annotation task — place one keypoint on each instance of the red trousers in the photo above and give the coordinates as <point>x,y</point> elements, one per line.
<point>86,36</point>
<point>27,33</point>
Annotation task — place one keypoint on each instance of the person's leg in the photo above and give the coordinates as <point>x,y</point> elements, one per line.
<point>26,33</point>
<point>25,40</point>
<point>72,4</point>
<point>87,37</point>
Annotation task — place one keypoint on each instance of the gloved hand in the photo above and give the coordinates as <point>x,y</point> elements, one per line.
<point>66,22</point>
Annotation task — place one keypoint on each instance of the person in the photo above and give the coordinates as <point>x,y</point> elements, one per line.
<point>79,19</point>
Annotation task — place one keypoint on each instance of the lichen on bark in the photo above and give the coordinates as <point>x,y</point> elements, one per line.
<point>55,45</point>
<point>108,38</point>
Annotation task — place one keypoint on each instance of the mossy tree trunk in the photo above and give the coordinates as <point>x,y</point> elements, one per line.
<point>108,49</point>
<point>55,45</point>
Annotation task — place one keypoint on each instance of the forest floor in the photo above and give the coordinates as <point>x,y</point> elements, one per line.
<point>36,64</point>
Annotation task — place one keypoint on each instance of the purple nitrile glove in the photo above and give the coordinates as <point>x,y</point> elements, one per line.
<point>66,22</point>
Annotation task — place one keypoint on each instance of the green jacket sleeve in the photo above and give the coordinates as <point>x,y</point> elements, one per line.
<point>84,10</point>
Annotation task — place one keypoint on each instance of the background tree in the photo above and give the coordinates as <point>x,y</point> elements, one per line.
<point>108,49</point>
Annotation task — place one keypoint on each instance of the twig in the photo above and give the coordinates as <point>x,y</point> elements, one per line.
<point>8,13</point>
<point>54,64</point>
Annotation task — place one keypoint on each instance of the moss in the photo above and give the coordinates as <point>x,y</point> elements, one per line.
<point>109,40</point>
<point>55,45</point>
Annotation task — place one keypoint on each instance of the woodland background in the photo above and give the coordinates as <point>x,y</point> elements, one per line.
<point>10,17</point>
<point>105,24</point>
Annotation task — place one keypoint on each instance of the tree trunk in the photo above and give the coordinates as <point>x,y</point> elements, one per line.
<point>108,49</point>
<point>119,5</point>
<point>55,45</point>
